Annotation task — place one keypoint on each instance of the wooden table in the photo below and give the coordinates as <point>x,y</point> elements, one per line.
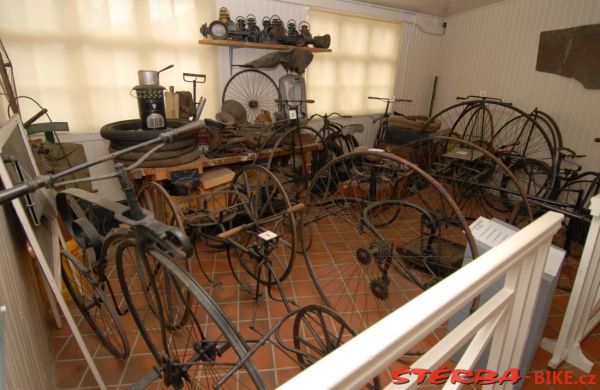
<point>164,173</point>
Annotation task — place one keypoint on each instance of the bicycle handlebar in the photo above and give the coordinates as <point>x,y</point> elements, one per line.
<point>479,97</point>
<point>380,117</point>
<point>18,190</point>
<point>50,180</point>
<point>390,100</point>
<point>325,116</point>
<point>294,101</point>
<point>570,153</point>
<point>34,118</point>
<point>233,231</point>
<point>194,77</point>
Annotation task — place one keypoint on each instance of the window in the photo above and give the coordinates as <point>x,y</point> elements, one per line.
<point>363,63</point>
<point>80,59</point>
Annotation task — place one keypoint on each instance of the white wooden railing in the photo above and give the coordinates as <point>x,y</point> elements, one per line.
<point>504,319</point>
<point>583,311</point>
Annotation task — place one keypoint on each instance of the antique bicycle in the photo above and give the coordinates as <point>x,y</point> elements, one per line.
<point>339,139</point>
<point>384,118</point>
<point>151,270</point>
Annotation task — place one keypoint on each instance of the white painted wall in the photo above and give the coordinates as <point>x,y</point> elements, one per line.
<point>417,67</point>
<point>494,48</point>
<point>420,46</point>
<point>95,146</point>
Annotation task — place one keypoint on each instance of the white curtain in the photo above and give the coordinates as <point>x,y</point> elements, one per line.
<point>79,58</point>
<point>362,63</point>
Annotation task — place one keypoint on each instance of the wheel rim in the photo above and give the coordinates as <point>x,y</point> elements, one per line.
<point>200,352</point>
<point>372,264</point>
<point>480,183</point>
<point>295,171</point>
<point>262,196</point>
<point>95,308</point>
<point>507,131</point>
<point>255,90</point>
<point>155,198</point>
<point>86,279</point>
<point>317,331</point>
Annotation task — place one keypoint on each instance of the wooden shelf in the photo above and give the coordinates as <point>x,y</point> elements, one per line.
<point>256,45</point>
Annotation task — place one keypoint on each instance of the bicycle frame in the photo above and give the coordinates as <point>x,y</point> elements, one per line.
<point>384,118</point>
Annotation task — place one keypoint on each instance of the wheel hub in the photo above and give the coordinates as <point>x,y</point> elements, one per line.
<point>173,372</point>
<point>363,256</point>
<point>380,287</point>
<point>207,351</point>
<point>383,254</point>
<point>253,104</point>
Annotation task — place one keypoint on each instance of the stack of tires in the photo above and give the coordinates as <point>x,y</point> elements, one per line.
<point>124,134</point>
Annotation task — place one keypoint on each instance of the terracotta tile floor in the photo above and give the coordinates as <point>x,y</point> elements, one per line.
<point>275,367</point>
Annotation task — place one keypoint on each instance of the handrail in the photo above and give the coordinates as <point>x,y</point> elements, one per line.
<point>505,317</point>
<point>583,310</point>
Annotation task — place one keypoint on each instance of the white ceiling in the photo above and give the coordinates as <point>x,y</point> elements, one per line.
<point>433,7</point>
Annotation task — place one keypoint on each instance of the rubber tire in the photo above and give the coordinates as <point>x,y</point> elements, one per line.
<point>121,351</point>
<point>185,279</point>
<point>175,145</point>
<point>158,155</point>
<point>130,130</point>
<point>183,159</point>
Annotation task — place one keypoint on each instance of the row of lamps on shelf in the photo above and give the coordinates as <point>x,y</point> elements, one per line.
<point>273,31</point>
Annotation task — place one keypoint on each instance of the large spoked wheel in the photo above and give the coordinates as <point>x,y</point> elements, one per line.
<point>296,155</point>
<point>260,195</point>
<point>476,179</point>
<point>85,273</point>
<point>155,198</point>
<point>255,90</point>
<point>520,143</point>
<point>550,127</point>
<point>204,351</point>
<point>94,305</point>
<point>532,176</point>
<point>7,80</point>
<point>472,121</point>
<point>390,229</point>
<point>507,131</point>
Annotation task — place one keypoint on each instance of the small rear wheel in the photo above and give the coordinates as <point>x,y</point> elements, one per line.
<point>84,272</point>
<point>155,198</point>
<point>94,305</point>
